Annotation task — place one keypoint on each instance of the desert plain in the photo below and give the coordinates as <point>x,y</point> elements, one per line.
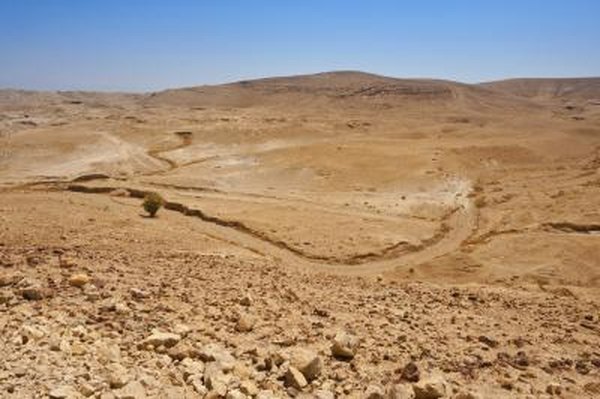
<point>333,235</point>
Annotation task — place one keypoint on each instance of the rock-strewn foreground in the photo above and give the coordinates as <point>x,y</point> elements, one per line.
<point>91,310</point>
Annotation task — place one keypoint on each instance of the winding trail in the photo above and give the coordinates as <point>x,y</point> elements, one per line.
<point>456,226</point>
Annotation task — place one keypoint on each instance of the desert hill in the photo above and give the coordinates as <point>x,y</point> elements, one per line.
<point>563,89</point>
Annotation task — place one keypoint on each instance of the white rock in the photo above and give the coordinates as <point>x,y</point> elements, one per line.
<point>133,390</point>
<point>161,339</point>
<point>344,345</point>
<point>308,362</point>
<point>432,387</point>
<point>63,392</point>
<point>294,378</point>
<point>216,353</point>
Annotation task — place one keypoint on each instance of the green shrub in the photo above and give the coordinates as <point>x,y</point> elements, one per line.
<point>152,203</point>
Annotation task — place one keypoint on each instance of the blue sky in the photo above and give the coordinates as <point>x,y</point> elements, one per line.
<point>143,45</point>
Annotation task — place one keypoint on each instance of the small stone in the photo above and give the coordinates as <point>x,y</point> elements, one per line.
<point>182,350</point>
<point>245,323</point>
<point>6,280</point>
<point>67,263</point>
<point>78,349</point>
<point>374,392</point>
<point>133,390</point>
<point>490,342</point>
<point>249,388</point>
<point>322,394</point>
<point>108,352</point>
<point>87,390</point>
<point>191,367</point>
<point>118,376</point>
<point>430,388</point>
<point>33,293</point>
<point>64,392</point>
<point>308,362</point>
<point>554,389</point>
<point>344,345</point>
<point>79,280</point>
<point>235,394</point>
<point>32,332</point>
<point>215,379</point>
<point>466,395</point>
<point>216,353</point>
<point>246,300</point>
<point>161,339</point>
<point>138,294</point>
<point>79,331</point>
<point>198,385</point>
<point>410,373</point>
<point>266,394</point>
<point>295,379</point>
<point>181,329</point>
<point>400,391</point>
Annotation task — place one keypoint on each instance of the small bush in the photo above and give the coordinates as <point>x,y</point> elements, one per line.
<point>152,203</point>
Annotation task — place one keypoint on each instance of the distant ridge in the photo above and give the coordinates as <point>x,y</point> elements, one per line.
<point>549,88</point>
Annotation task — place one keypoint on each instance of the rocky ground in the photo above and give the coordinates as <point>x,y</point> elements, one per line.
<point>134,317</point>
<point>328,236</point>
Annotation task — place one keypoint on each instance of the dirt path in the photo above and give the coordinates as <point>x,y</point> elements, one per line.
<point>455,227</point>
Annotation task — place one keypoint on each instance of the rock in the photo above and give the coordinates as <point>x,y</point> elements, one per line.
<point>79,280</point>
<point>107,352</point>
<point>294,378</point>
<point>117,376</point>
<point>215,379</point>
<point>79,331</point>
<point>266,394</point>
<point>161,339</point>
<point>216,353</point>
<point>191,367</point>
<point>32,332</point>
<point>63,392</point>
<point>138,294</point>
<point>554,389</point>
<point>246,300</point>
<point>197,383</point>
<point>181,329</point>
<point>133,390</point>
<point>307,362</point>
<point>87,390</point>
<point>322,394</point>
<point>466,395</point>
<point>6,280</point>
<point>183,350</point>
<point>374,392</point>
<point>592,387</point>
<point>235,394</point>
<point>249,388</point>
<point>33,293</point>
<point>490,342</point>
<point>33,260</point>
<point>245,323</point>
<point>400,391</point>
<point>430,388</point>
<point>344,345</point>
<point>66,262</point>
<point>410,373</point>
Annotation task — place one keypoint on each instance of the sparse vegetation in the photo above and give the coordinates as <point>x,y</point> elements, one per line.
<point>152,203</point>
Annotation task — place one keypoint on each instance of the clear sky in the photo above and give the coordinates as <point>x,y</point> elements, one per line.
<point>143,45</point>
